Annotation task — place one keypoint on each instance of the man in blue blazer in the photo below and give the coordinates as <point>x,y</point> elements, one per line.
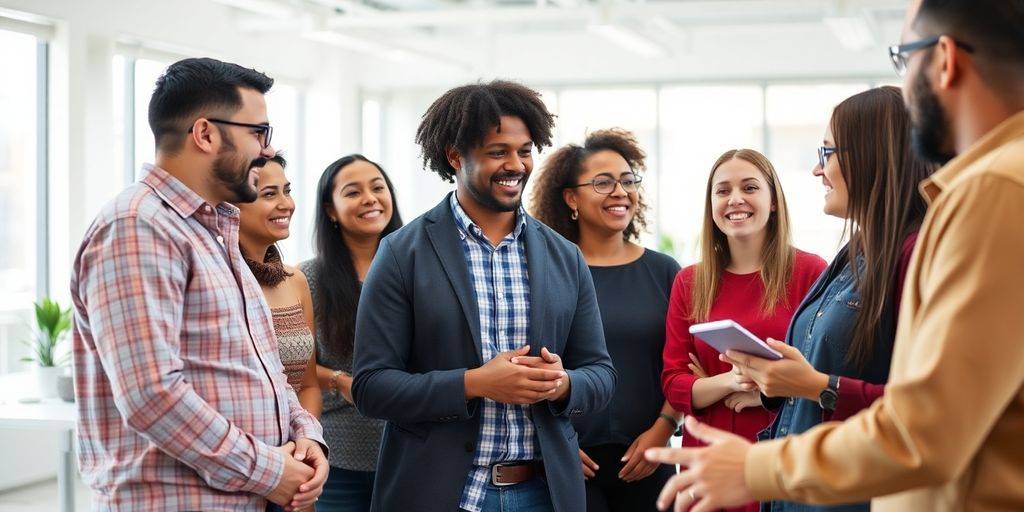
<point>478,334</point>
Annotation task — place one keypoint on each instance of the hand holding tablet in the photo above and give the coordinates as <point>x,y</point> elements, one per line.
<point>724,335</point>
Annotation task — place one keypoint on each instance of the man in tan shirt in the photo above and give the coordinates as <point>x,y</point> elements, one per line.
<point>949,432</point>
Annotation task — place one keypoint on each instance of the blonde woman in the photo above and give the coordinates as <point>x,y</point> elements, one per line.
<point>749,272</point>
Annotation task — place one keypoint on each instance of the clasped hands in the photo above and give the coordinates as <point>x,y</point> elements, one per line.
<point>517,378</point>
<point>305,471</point>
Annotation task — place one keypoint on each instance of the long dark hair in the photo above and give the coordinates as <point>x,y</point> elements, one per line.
<point>338,285</point>
<point>881,170</point>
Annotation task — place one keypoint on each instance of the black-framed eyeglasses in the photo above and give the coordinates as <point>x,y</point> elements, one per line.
<point>823,153</point>
<point>264,134</point>
<point>604,184</point>
<point>900,52</point>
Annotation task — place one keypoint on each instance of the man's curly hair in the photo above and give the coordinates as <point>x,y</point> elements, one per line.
<point>563,168</point>
<point>463,116</point>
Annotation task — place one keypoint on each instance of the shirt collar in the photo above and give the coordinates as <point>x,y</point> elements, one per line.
<point>183,200</point>
<point>469,228</point>
<point>1009,130</point>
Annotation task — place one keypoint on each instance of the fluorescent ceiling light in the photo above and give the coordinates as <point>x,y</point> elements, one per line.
<point>356,44</point>
<point>853,32</point>
<point>628,39</point>
<point>264,7</point>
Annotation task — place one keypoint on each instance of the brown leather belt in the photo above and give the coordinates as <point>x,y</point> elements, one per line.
<point>510,473</point>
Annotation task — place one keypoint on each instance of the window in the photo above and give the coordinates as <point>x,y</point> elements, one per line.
<point>22,189</point>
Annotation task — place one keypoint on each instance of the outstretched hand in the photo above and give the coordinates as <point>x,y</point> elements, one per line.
<point>713,477</point>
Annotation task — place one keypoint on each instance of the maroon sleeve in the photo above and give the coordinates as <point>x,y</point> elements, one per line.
<point>854,395</point>
<point>901,268</point>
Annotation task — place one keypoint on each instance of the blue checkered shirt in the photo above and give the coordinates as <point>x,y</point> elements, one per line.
<point>502,288</point>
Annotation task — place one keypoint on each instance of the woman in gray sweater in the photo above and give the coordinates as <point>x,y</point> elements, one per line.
<point>355,209</point>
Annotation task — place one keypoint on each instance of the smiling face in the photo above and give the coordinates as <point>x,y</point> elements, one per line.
<point>608,213</point>
<point>837,196</point>
<point>361,202</point>
<point>741,199</point>
<point>267,219</point>
<point>492,176</point>
<point>241,155</point>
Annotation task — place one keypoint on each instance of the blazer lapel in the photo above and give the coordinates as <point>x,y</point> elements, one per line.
<point>537,268</point>
<point>444,237</point>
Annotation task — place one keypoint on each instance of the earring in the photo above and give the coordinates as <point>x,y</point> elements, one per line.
<point>575,214</point>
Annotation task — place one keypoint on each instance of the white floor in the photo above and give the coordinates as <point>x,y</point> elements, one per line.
<point>42,497</point>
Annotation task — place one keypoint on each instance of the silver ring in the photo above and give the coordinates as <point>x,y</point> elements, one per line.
<point>690,492</point>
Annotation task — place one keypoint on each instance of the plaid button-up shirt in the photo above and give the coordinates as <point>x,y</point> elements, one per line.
<point>181,393</point>
<point>502,288</point>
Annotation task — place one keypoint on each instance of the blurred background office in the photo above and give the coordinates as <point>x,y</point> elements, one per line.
<point>691,78</point>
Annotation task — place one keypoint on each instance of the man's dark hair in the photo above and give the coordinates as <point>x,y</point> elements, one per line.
<point>992,27</point>
<point>192,88</point>
<point>463,116</point>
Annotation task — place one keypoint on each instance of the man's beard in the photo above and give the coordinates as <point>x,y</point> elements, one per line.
<point>485,197</point>
<point>930,125</point>
<point>235,180</point>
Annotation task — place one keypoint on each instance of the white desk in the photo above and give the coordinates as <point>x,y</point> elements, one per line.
<point>49,414</point>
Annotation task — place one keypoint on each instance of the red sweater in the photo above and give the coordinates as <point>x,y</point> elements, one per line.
<point>739,298</point>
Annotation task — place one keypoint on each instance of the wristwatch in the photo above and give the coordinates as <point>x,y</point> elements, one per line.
<point>830,395</point>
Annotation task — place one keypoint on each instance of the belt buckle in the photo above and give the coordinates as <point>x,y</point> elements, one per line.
<point>495,469</point>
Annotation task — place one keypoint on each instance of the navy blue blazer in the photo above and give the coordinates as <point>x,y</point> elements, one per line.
<point>418,331</point>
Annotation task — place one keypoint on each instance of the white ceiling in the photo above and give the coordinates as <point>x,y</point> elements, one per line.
<point>554,41</point>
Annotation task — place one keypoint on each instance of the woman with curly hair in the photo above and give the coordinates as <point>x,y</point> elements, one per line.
<point>590,194</point>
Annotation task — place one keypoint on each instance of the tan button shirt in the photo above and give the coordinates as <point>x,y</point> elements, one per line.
<point>949,433</point>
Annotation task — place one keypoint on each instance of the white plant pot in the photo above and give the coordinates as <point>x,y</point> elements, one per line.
<point>46,380</point>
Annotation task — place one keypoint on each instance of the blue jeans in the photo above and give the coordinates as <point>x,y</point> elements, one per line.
<point>529,496</point>
<point>346,491</point>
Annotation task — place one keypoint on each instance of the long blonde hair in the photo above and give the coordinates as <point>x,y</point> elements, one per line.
<point>777,254</point>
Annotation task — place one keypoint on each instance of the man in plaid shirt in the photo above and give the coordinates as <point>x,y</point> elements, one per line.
<point>182,400</point>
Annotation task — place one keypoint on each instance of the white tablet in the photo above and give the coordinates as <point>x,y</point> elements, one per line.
<point>728,335</point>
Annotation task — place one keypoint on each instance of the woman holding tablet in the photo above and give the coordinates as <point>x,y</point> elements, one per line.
<point>590,194</point>
<point>749,273</point>
<point>838,349</point>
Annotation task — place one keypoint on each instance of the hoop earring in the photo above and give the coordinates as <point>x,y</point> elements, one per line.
<point>575,214</point>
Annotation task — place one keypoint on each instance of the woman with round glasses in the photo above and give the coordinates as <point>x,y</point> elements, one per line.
<point>839,346</point>
<point>590,194</point>
<point>750,273</point>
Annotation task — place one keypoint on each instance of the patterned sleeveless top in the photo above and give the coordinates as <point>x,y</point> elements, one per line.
<point>294,342</point>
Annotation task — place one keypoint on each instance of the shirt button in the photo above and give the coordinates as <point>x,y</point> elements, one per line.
<point>783,430</point>
<point>791,400</point>
<point>207,208</point>
<point>819,314</point>
<point>220,240</point>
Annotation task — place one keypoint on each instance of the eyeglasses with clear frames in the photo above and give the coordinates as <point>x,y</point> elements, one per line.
<point>605,184</point>
<point>264,131</point>
<point>823,153</point>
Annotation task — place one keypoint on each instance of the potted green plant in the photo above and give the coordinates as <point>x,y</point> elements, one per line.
<point>52,325</point>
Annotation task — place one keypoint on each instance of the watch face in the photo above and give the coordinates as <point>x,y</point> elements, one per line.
<point>827,400</point>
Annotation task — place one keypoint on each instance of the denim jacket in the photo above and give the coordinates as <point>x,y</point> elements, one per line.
<point>821,329</point>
